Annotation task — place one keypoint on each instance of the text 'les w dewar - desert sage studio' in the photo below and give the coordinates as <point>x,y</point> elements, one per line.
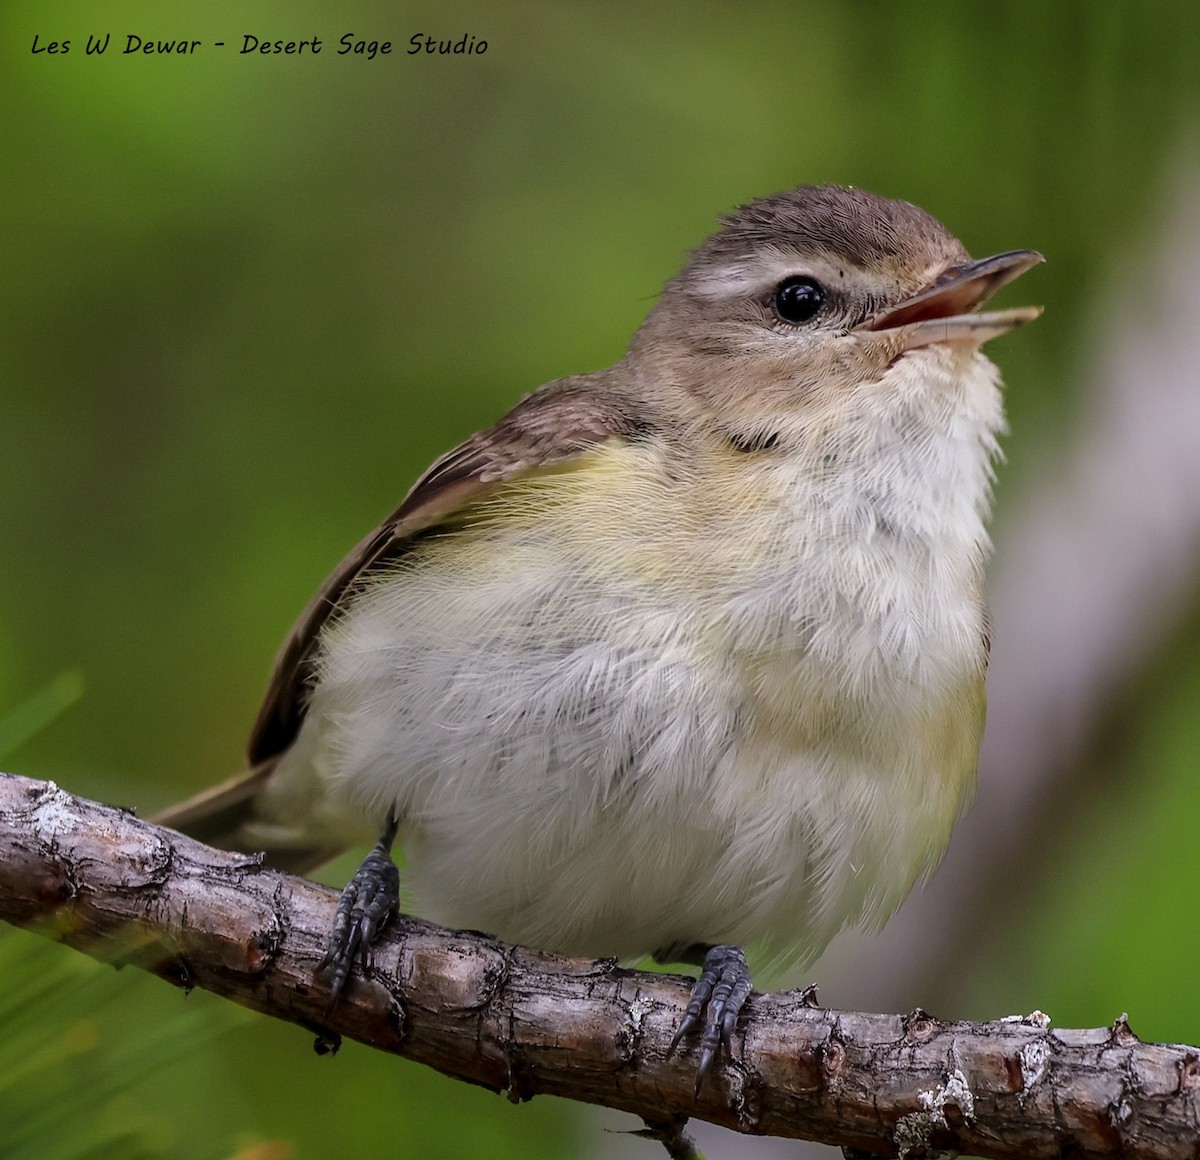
<point>418,44</point>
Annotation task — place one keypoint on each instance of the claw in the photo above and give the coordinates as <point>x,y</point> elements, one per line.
<point>717,998</point>
<point>369,900</point>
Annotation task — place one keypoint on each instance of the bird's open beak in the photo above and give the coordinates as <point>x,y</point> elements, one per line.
<point>947,309</point>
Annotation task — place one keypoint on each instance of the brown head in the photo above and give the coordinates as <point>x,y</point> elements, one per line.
<point>804,289</point>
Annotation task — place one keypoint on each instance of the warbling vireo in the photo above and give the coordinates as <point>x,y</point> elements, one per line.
<point>681,656</point>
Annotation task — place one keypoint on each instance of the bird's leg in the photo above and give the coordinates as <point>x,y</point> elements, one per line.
<point>370,898</point>
<point>717,998</point>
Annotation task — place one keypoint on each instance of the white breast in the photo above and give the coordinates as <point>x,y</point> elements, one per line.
<point>643,713</point>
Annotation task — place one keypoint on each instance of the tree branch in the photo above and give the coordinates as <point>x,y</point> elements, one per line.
<point>526,1023</point>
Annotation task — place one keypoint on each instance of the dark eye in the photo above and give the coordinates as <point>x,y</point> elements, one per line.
<point>798,299</point>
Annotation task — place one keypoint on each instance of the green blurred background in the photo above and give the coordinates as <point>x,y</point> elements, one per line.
<point>247,299</point>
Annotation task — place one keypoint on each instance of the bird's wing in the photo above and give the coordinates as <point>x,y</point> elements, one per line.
<point>551,426</point>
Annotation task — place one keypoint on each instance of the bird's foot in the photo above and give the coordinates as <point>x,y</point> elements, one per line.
<point>718,996</point>
<point>369,900</point>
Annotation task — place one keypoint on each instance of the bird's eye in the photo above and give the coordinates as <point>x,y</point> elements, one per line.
<point>798,299</point>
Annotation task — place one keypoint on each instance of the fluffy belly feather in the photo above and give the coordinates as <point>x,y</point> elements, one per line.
<point>594,755</point>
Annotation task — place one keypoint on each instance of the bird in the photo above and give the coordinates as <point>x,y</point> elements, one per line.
<point>683,658</point>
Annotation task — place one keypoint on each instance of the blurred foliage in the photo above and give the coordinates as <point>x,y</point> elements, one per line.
<point>86,1053</point>
<point>247,299</point>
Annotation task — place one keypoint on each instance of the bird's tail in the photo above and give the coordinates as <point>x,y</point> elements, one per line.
<point>227,816</point>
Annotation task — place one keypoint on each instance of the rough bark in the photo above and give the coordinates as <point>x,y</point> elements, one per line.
<point>527,1023</point>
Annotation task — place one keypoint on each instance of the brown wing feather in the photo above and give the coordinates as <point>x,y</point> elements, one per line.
<point>553,424</point>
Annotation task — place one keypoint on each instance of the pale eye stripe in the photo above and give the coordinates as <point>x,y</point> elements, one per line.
<point>748,279</point>
<point>727,282</point>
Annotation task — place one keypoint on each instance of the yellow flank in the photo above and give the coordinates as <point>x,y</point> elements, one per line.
<point>725,565</point>
<point>634,512</point>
